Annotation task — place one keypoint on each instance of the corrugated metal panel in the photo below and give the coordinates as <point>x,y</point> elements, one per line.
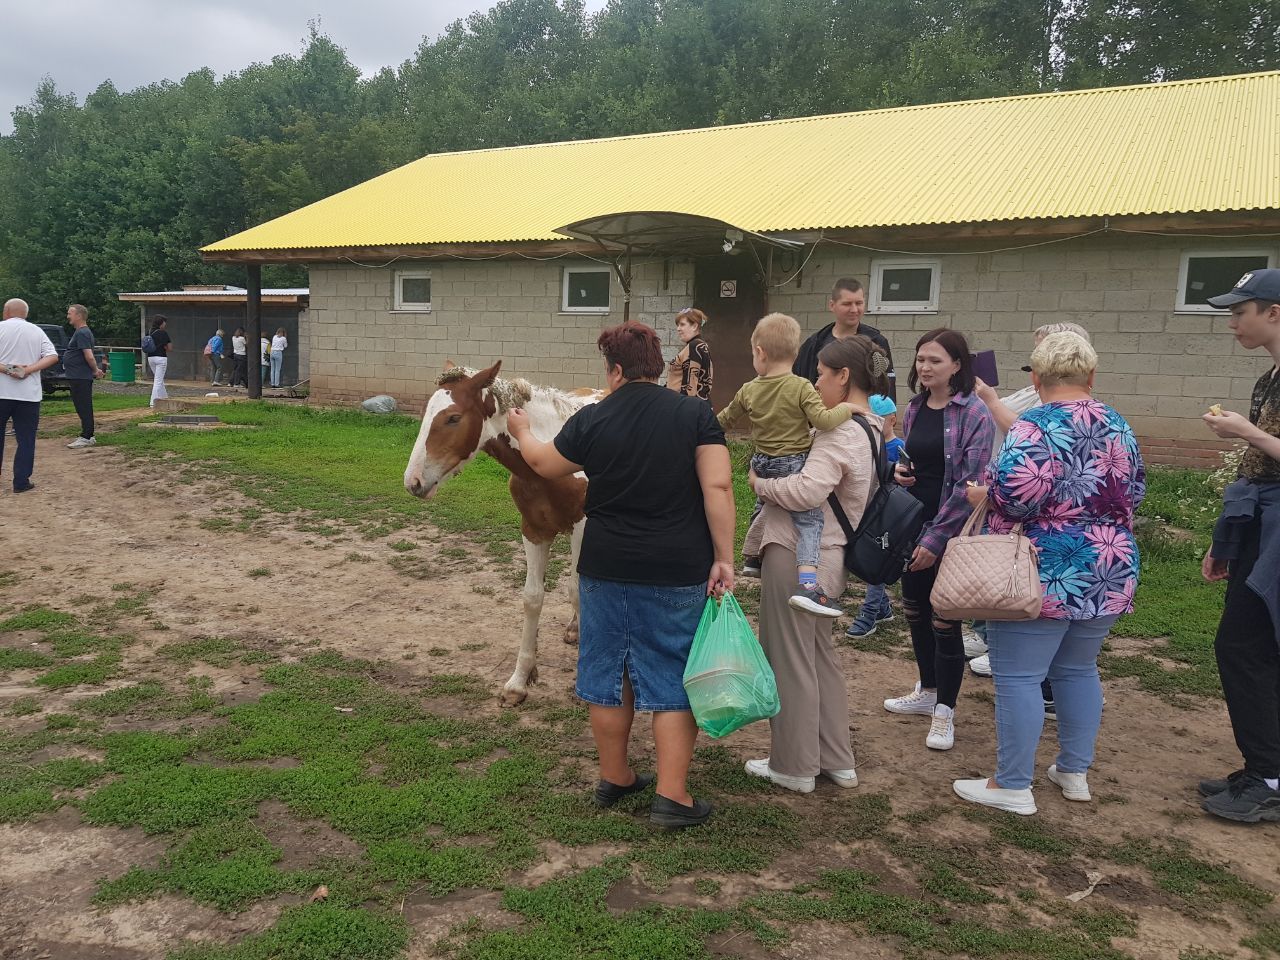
<point>1191,146</point>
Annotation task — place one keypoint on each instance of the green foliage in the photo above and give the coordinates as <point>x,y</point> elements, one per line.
<point>79,672</point>
<point>318,931</point>
<point>38,618</point>
<point>26,790</point>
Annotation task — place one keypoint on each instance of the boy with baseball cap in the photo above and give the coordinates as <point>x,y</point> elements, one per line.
<point>1246,549</point>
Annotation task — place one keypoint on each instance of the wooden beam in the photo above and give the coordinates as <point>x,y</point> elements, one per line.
<point>253,329</point>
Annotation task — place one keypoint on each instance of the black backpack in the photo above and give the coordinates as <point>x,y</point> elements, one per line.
<point>878,551</point>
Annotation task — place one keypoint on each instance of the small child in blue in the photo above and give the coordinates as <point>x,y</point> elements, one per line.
<point>876,608</point>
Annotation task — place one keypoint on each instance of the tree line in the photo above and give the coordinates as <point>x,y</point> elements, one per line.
<point>118,191</point>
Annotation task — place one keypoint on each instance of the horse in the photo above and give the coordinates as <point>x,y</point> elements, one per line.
<point>467,414</point>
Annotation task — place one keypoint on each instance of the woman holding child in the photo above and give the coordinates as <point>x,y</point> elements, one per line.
<point>949,434</point>
<point>810,734</point>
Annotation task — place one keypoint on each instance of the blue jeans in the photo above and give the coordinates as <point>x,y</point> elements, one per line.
<point>808,523</point>
<point>25,415</point>
<point>277,361</point>
<point>876,595</point>
<point>1023,653</point>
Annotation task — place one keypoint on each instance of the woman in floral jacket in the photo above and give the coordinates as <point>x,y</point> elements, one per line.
<point>1071,473</point>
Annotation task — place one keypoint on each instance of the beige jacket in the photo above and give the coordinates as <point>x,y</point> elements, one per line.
<point>840,460</point>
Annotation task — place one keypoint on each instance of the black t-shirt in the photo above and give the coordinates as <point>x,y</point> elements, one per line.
<point>73,362</point>
<point>928,458</point>
<point>645,520</point>
<point>161,340</point>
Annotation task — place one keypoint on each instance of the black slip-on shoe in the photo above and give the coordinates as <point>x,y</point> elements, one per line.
<point>667,813</point>
<point>30,486</point>
<point>607,794</point>
<point>1209,788</point>
<point>1248,800</point>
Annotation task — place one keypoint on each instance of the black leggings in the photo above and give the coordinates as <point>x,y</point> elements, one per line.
<point>938,643</point>
<point>239,370</point>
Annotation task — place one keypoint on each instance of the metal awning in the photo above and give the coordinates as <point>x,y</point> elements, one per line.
<point>668,233</point>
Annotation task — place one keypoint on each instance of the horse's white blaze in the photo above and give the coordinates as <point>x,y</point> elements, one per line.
<point>421,477</point>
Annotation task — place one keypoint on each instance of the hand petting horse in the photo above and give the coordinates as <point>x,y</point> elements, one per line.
<point>467,414</point>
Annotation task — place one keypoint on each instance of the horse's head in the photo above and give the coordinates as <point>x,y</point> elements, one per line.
<point>452,430</point>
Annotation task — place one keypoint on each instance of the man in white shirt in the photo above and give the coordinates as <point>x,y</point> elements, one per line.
<point>25,350</point>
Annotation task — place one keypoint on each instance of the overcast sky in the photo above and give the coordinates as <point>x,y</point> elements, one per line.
<point>81,43</point>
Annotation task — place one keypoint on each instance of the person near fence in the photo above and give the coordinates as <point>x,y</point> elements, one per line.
<point>25,350</point>
<point>80,367</point>
<point>158,358</point>
<point>658,540</point>
<point>1070,472</point>
<point>1246,553</point>
<point>279,343</point>
<point>810,734</point>
<point>213,350</point>
<point>948,432</point>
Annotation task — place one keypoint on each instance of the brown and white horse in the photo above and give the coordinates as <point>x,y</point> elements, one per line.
<point>467,414</point>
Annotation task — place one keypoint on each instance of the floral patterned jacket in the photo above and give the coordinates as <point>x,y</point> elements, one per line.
<point>1071,473</point>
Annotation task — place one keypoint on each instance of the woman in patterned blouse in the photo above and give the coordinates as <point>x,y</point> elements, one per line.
<point>690,372</point>
<point>1070,472</point>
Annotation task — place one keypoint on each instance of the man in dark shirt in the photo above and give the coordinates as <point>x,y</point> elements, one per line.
<point>81,368</point>
<point>1246,549</point>
<point>848,303</point>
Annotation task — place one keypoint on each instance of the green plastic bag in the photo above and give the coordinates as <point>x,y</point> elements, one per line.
<point>727,678</point>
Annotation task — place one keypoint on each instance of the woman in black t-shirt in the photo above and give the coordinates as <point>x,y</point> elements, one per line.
<point>658,540</point>
<point>949,433</point>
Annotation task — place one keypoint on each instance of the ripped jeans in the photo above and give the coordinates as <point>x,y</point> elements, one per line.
<point>938,643</point>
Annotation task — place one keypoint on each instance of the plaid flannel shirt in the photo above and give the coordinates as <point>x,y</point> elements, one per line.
<point>967,435</point>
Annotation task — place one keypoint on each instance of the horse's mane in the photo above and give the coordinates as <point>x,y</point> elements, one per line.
<point>517,392</point>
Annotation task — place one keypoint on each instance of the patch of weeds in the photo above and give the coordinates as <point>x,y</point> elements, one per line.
<point>483,589</point>
<point>122,700</point>
<point>87,672</point>
<point>454,553</point>
<point>322,529</point>
<point>134,604</point>
<point>215,651</point>
<point>26,790</point>
<point>460,685</point>
<point>415,567</point>
<point>1195,953</point>
<point>60,721</point>
<point>77,643</point>
<point>38,618</point>
<point>403,546</point>
<point>437,652</point>
<point>355,556</point>
<point>259,572</point>
<point>1196,881</point>
<point>226,866</point>
<point>8,578</point>
<point>216,523</point>
<point>706,887</point>
<point>23,659</point>
<point>861,817</point>
<point>315,931</point>
<point>1023,833</point>
<point>741,838</point>
<point>1266,939</point>
<point>24,706</point>
<point>473,647</point>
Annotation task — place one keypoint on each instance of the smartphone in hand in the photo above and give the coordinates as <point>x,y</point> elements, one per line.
<point>907,467</point>
<point>984,367</point>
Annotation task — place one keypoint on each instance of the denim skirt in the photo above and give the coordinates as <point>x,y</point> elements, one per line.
<point>638,630</point>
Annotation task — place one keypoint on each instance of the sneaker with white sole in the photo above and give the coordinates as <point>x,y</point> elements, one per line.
<point>842,778</point>
<point>942,731</point>
<point>751,568</point>
<point>918,701</point>
<point>1020,802</point>
<point>80,442</point>
<point>815,602</point>
<point>981,665</point>
<point>974,645</point>
<point>1075,786</point>
<point>761,768</point>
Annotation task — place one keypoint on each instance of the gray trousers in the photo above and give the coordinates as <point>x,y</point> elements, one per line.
<point>811,731</point>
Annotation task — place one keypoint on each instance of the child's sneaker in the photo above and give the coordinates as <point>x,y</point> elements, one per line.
<point>816,602</point>
<point>751,568</point>
<point>871,614</point>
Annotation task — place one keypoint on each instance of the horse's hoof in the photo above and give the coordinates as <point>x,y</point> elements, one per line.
<point>513,698</point>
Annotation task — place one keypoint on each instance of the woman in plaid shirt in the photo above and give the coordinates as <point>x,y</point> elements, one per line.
<point>949,434</point>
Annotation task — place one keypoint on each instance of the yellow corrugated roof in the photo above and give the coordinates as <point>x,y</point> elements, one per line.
<point>1189,146</point>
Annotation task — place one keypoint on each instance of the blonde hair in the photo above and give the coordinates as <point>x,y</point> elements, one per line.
<point>1064,357</point>
<point>778,336</point>
<point>1044,330</point>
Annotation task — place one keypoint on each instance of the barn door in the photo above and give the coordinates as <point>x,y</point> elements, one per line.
<point>731,292</point>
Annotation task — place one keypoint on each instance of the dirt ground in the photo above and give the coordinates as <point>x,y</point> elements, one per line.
<point>97,519</point>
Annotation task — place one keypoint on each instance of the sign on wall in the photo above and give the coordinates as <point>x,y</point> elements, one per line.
<point>728,288</point>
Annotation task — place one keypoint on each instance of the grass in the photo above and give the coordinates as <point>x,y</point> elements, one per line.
<point>103,402</point>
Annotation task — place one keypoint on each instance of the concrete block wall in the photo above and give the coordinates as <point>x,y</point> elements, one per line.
<point>1161,369</point>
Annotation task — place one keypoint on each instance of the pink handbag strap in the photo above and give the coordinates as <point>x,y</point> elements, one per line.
<point>977,517</point>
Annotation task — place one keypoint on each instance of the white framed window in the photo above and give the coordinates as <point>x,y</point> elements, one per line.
<point>904,286</point>
<point>585,289</point>
<point>413,291</point>
<point>1209,273</point>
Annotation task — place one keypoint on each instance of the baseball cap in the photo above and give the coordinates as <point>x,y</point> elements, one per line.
<point>1254,285</point>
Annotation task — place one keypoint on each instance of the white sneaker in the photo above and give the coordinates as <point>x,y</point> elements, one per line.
<point>974,645</point>
<point>79,442</point>
<point>918,701</point>
<point>942,731</point>
<point>1075,786</point>
<point>842,778</point>
<point>761,768</point>
<point>1020,802</point>
<point>981,665</point>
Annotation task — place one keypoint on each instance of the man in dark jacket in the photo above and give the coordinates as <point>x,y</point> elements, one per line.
<point>848,302</point>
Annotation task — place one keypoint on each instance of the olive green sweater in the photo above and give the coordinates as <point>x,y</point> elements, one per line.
<point>781,410</point>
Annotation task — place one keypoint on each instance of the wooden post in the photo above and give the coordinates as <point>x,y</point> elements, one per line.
<point>253,329</point>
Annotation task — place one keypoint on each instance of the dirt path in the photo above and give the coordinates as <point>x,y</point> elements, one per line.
<point>97,519</point>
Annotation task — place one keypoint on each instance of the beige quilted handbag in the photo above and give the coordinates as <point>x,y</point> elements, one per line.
<point>987,576</point>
